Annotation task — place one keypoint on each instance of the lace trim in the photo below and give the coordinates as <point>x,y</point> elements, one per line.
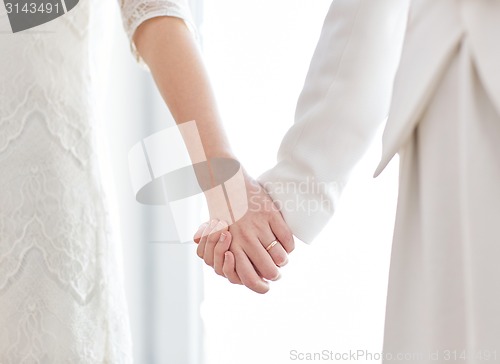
<point>135,13</point>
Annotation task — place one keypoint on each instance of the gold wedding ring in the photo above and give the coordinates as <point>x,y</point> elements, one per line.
<point>270,246</point>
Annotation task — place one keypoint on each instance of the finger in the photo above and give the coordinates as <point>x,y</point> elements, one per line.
<point>282,232</point>
<point>220,249</point>
<point>248,275</point>
<point>204,236</point>
<point>229,268</point>
<point>199,233</point>
<point>258,255</point>
<point>275,250</point>
<point>212,240</point>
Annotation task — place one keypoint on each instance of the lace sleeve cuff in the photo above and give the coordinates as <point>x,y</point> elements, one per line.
<point>136,12</point>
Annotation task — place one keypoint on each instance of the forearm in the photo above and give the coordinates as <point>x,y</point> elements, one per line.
<point>169,49</point>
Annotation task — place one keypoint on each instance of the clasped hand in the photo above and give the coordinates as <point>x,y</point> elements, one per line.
<point>250,251</point>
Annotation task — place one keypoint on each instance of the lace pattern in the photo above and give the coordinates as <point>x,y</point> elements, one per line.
<point>61,295</point>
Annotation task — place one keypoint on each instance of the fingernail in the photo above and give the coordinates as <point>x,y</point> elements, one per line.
<point>222,237</point>
<point>277,278</point>
<point>284,263</point>
<point>265,286</point>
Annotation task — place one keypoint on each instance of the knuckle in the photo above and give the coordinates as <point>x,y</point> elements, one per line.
<point>220,249</point>
<point>212,238</point>
<point>268,212</point>
<point>247,234</point>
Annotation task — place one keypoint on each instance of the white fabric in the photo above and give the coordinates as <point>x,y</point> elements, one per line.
<point>444,118</point>
<point>345,99</point>
<point>444,291</point>
<point>61,293</point>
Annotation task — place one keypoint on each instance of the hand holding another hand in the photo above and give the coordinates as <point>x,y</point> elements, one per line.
<point>251,250</point>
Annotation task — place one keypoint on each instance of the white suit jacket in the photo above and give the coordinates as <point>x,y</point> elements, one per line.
<point>367,49</point>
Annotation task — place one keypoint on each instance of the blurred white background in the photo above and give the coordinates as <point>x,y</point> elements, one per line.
<point>332,294</point>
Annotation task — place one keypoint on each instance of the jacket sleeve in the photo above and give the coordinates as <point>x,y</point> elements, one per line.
<point>345,99</point>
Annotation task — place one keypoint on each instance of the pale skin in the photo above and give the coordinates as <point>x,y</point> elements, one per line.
<point>238,253</point>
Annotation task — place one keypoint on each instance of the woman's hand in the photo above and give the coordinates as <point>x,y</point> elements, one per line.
<point>214,240</point>
<point>169,49</point>
<point>216,243</point>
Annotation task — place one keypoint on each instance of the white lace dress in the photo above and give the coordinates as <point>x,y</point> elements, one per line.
<point>61,293</point>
